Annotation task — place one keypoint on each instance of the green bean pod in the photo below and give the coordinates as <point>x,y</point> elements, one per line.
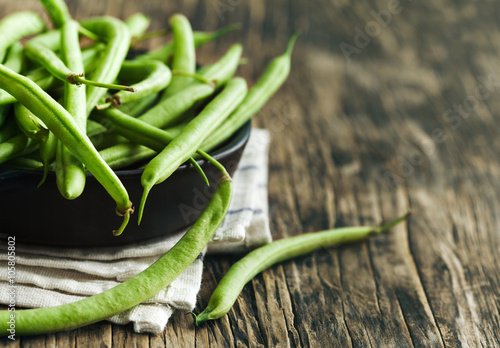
<point>14,61</point>
<point>273,77</point>
<point>41,77</point>
<point>153,76</point>
<point>29,124</point>
<point>260,259</point>
<point>135,290</point>
<point>58,11</point>
<point>191,137</point>
<point>16,146</point>
<point>70,172</point>
<point>123,155</point>
<point>16,26</point>
<point>184,53</point>
<point>43,55</point>
<point>48,151</point>
<point>137,25</point>
<point>117,37</point>
<point>139,107</point>
<point>170,110</point>
<point>61,123</point>
<point>221,71</point>
<point>164,53</point>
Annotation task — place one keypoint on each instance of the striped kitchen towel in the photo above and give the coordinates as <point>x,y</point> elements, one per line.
<point>53,276</point>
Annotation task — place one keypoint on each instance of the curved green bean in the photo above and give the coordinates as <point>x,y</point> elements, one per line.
<point>138,288</point>
<point>153,76</point>
<point>260,259</point>
<point>117,37</point>
<point>16,146</point>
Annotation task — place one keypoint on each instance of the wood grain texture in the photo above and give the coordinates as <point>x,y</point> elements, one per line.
<point>390,106</point>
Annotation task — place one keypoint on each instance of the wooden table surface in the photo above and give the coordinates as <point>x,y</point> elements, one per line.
<point>391,106</point>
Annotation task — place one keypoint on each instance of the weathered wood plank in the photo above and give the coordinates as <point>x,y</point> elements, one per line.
<point>404,119</point>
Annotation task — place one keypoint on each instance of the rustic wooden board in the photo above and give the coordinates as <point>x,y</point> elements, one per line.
<point>381,114</point>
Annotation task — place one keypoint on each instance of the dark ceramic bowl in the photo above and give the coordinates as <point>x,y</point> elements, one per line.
<point>42,216</point>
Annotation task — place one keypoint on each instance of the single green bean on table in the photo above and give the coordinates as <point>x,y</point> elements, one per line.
<point>61,123</point>
<point>184,54</point>
<point>16,26</point>
<point>70,172</point>
<point>135,290</point>
<point>117,37</point>
<point>191,137</point>
<point>164,53</point>
<point>153,76</point>
<point>272,78</point>
<point>260,259</point>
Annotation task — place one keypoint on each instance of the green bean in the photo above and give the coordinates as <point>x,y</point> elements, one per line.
<point>70,172</point>
<point>164,53</point>
<point>117,36</point>
<point>41,77</point>
<point>16,146</point>
<point>191,137</point>
<point>139,107</point>
<point>221,71</point>
<point>58,11</point>
<point>36,51</point>
<point>29,124</point>
<point>48,151</point>
<point>137,24</point>
<point>184,53</point>
<point>13,61</point>
<point>260,259</point>
<point>142,133</point>
<point>60,122</point>
<point>134,290</point>
<point>123,155</point>
<point>16,26</point>
<point>24,163</point>
<point>153,76</point>
<point>273,77</point>
<point>170,110</point>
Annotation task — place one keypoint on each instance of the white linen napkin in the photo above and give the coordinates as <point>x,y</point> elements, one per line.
<point>48,277</point>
